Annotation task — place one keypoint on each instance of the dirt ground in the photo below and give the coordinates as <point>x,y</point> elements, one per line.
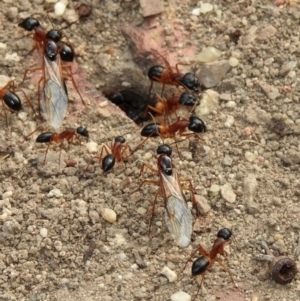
<point>54,243</point>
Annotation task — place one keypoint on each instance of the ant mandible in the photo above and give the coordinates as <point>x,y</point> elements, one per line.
<point>68,135</point>
<point>114,154</point>
<point>11,100</point>
<point>206,260</point>
<point>167,76</point>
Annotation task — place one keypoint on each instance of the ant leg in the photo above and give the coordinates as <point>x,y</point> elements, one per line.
<point>104,147</point>
<point>69,74</point>
<point>153,209</point>
<point>27,71</point>
<point>191,257</point>
<point>180,64</point>
<point>191,190</point>
<point>46,153</point>
<point>27,100</point>
<point>202,278</point>
<point>227,270</point>
<point>149,167</point>
<point>144,182</point>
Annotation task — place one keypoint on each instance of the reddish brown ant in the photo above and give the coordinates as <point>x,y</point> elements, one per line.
<point>178,216</point>
<point>11,100</point>
<point>167,76</point>
<point>114,154</point>
<point>194,124</point>
<point>67,135</point>
<point>206,260</point>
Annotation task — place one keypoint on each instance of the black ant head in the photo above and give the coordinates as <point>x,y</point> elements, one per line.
<point>155,72</point>
<point>13,101</point>
<point>44,137</point>
<point>82,131</point>
<point>190,81</point>
<point>197,125</point>
<point>108,162</point>
<point>199,265</point>
<point>51,50</point>
<point>164,149</point>
<point>224,233</point>
<point>116,98</point>
<point>66,51</point>
<point>120,139</point>
<point>29,24</point>
<point>54,35</point>
<point>188,99</point>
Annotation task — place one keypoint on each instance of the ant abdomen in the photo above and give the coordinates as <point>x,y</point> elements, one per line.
<point>199,265</point>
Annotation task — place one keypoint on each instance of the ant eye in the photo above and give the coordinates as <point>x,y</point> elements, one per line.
<point>224,233</point>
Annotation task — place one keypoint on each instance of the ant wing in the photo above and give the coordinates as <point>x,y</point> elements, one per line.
<point>54,98</point>
<point>178,216</point>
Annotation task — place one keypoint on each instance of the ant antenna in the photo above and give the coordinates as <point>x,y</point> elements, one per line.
<point>155,124</point>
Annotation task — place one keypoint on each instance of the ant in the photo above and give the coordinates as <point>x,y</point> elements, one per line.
<point>41,36</point>
<point>167,76</point>
<point>10,99</point>
<point>67,135</point>
<point>206,260</point>
<point>114,154</point>
<point>194,124</point>
<point>178,216</point>
<point>171,104</point>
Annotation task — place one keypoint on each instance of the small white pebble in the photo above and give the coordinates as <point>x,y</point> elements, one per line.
<point>206,8</point>
<point>55,193</point>
<point>250,156</point>
<point>229,121</point>
<point>233,62</point>
<point>64,2</point>
<point>231,104</point>
<point>43,232</point>
<point>22,115</point>
<point>209,54</point>
<point>7,194</point>
<point>122,256</point>
<point>171,275</point>
<point>92,147</point>
<point>196,11</point>
<point>109,215</point>
<point>12,57</point>
<point>292,74</point>
<point>3,46</point>
<point>58,245</point>
<point>181,296</point>
<point>141,210</point>
<point>59,8</point>
<point>134,266</point>
<point>147,156</point>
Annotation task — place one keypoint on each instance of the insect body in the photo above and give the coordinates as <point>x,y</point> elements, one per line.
<point>67,135</point>
<point>206,260</point>
<point>114,154</point>
<point>178,216</point>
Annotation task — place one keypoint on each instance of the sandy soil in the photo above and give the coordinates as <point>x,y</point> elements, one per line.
<point>54,243</point>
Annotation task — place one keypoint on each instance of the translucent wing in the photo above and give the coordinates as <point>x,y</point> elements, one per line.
<point>54,98</point>
<point>178,216</point>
